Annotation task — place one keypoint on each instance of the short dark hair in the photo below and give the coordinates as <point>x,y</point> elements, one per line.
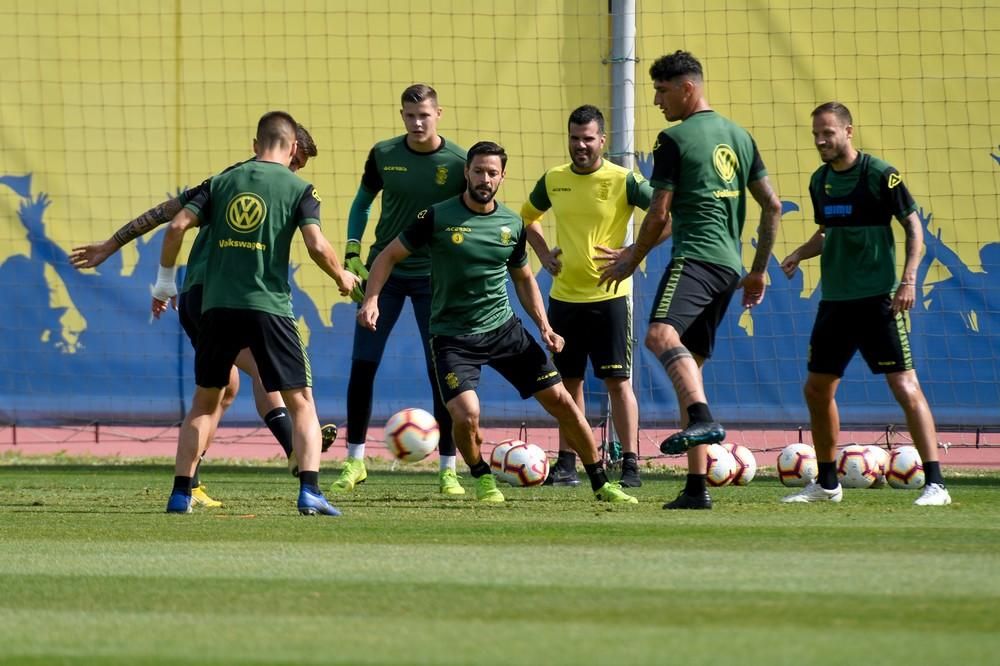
<point>586,114</point>
<point>836,108</point>
<point>487,148</point>
<point>305,140</point>
<point>678,63</point>
<point>275,129</point>
<point>417,93</point>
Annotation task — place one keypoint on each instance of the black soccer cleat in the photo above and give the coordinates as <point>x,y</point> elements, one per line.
<point>329,432</point>
<point>561,477</point>
<point>630,474</point>
<point>695,434</point>
<point>685,501</point>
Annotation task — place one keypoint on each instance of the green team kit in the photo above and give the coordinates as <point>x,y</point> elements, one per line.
<point>856,207</point>
<point>472,254</point>
<point>409,182</point>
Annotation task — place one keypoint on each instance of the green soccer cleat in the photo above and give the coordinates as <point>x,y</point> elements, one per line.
<point>200,498</point>
<point>612,493</point>
<point>449,483</point>
<point>487,491</point>
<point>354,472</point>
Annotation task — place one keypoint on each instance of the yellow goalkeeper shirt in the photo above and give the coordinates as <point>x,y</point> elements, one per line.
<point>590,209</point>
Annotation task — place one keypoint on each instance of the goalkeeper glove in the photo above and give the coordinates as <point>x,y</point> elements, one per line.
<point>353,263</point>
<point>164,289</point>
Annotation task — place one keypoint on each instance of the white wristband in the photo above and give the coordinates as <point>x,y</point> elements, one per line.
<point>164,289</point>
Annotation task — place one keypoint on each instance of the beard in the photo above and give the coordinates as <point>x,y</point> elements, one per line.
<point>482,194</point>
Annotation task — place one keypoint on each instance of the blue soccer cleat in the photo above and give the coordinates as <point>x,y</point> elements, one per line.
<point>179,503</point>
<point>311,504</point>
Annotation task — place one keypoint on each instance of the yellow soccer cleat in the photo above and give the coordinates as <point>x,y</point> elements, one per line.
<point>449,483</point>
<point>200,498</point>
<point>487,491</point>
<point>354,472</point>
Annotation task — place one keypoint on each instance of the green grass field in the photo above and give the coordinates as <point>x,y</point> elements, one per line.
<point>93,572</point>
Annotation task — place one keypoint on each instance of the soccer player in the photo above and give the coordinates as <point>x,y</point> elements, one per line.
<point>702,169</point>
<point>855,196</point>
<point>269,405</point>
<point>474,242</point>
<point>593,200</point>
<point>413,172</point>
<point>253,211</point>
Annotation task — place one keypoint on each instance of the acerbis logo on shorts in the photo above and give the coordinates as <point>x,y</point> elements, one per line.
<point>245,212</point>
<point>725,162</point>
<point>546,375</point>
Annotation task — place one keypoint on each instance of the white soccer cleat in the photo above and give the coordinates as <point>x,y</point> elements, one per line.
<point>815,493</point>
<point>934,495</point>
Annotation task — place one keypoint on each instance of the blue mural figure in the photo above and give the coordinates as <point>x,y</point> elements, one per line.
<point>957,330</point>
<point>996,157</point>
<point>31,325</point>
<point>114,307</point>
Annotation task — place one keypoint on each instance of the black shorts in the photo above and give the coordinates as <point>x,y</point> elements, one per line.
<point>601,330</point>
<point>274,342</point>
<point>867,325</point>
<point>459,359</point>
<point>189,311</point>
<point>692,297</point>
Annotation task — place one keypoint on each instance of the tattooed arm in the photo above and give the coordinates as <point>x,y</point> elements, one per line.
<point>753,283</point>
<point>89,256</point>
<point>906,293</point>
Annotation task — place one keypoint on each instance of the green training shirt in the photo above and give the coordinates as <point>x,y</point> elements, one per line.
<point>410,182</point>
<point>856,207</point>
<point>707,161</point>
<point>253,212</point>
<point>470,254</point>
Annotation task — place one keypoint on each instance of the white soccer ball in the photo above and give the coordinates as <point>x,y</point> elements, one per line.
<point>498,456</point>
<point>905,470</point>
<point>746,464</point>
<point>797,465</point>
<point>526,465</point>
<point>721,465</point>
<point>411,434</point>
<point>855,467</point>
<point>881,458</point>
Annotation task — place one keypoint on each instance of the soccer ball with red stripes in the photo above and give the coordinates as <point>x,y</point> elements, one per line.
<point>499,455</point>
<point>881,458</point>
<point>905,470</point>
<point>746,464</point>
<point>721,465</point>
<point>797,465</point>
<point>411,434</point>
<point>856,468</point>
<point>526,465</point>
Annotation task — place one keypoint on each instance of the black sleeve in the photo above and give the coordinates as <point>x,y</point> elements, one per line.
<point>895,193</point>
<point>371,178</point>
<point>519,257</point>
<point>308,208</point>
<point>419,233</point>
<point>666,161</point>
<point>757,165</point>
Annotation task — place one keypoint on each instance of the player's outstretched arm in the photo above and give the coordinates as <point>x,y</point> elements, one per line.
<point>811,248</point>
<point>94,254</point>
<point>382,267</point>
<point>531,299</point>
<point>164,292</point>
<point>322,254</point>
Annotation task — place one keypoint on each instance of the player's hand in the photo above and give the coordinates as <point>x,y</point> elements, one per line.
<point>159,307</point>
<point>368,313</point>
<point>553,341</point>
<point>790,264</point>
<point>604,255</point>
<point>164,291</point>
<point>348,283</point>
<point>93,255</point>
<point>353,263</point>
<point>551,263</point>
<point>905,298</point>
<point>617,270</point>
<point>753,285</point>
